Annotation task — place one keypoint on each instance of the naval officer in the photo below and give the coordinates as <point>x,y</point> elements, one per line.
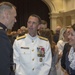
<point>32,53</point>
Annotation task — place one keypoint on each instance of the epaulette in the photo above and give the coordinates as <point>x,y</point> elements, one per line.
<point>21,37</point>
<point>43,38</point>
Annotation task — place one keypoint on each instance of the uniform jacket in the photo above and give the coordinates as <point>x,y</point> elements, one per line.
<point>6,56</point>
<point>32,55</point>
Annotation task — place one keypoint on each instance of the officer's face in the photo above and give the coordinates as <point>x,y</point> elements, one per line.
<point>32,25</point>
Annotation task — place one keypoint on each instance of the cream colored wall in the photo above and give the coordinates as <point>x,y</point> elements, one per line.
<point>55,5</point>
<point>62,12</point>
<point>58,5</point>
<point>70,5</point>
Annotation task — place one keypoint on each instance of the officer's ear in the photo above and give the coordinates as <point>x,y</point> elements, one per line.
<point>5,14</point>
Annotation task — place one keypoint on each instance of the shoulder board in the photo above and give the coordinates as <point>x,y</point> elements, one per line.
<point>21,37</point>
<point>43,38</point>
<point>1,28</point>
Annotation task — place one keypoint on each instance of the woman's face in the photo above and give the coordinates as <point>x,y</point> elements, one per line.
<point>66,34</point>
<point>72,37</point>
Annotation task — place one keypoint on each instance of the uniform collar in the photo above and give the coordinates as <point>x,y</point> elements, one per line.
<point>3,26</point>
<point>32,38</point>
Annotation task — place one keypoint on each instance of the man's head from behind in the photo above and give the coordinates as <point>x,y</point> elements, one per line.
<point>7,14</point>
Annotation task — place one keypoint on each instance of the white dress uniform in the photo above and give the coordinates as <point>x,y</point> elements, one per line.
<point>32,55</point>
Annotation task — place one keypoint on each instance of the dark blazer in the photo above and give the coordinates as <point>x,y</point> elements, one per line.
<point>6,52</point>
<point>65,51</point>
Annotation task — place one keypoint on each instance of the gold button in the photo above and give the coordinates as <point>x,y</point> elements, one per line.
<point>24,52</point>
<point>33,69</point>
<point>32,50</point>
<point>33,59</point>
<point>32,40</point>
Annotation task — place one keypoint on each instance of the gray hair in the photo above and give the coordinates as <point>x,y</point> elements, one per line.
<point>6,6</point>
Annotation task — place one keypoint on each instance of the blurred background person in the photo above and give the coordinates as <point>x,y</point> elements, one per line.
<point>56,34</point>
<point>24,30</point>
<point>47,33</point>
<point>43,25</point>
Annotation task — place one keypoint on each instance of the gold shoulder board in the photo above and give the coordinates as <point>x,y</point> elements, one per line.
<point>43,38</point>
<point>20,37</point>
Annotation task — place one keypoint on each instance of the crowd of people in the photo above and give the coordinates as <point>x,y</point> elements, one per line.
<point>35,49</point>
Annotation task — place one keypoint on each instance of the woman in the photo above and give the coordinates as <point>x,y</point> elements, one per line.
<point>63,39</point>
<point>71,55</point>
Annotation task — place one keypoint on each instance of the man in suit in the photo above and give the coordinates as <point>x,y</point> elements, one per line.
<point>7,20</point>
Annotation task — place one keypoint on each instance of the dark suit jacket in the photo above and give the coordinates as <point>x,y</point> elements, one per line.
<point>56,38</point>
<point>65,51</point>
<point>6,52</point>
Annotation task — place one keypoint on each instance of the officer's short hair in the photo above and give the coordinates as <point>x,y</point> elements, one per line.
<point>34,15</point>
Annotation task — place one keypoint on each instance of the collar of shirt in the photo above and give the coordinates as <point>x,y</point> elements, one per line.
<point>3,26</point>
<point>32,38</point>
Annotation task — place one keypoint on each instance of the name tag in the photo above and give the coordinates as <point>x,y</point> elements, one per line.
<point>24,47</point>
